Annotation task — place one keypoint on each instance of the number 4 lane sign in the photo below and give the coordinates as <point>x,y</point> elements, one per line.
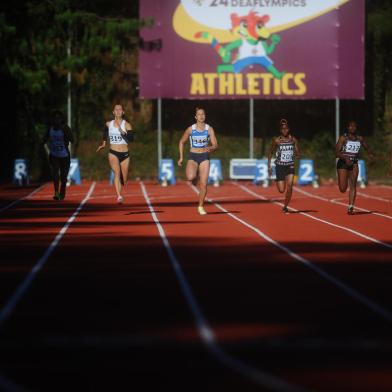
<point>215,175</point>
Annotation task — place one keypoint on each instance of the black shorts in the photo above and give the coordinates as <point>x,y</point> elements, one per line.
<point>341,164</point>
<point>282,171</point>
<point>122,156</point>
<point>198,157</point>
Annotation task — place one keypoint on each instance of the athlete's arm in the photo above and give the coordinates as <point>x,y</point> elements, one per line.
<point>214,142</point>
<point>128,135</point>
<point>68,133</point>
<point>105,133</point>
<point>128,126</point>
<point>183,140</point>
<point>366,147</point>
<point>270,152</point>
<point>45,142</point>
<point>296,147</point>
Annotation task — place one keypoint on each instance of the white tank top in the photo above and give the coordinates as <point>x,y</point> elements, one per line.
<point>114,133</point>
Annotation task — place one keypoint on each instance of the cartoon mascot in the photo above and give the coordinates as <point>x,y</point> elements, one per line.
<point>249,47</point>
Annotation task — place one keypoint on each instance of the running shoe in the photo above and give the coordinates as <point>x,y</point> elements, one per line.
<point>56,196</point>
<point>350,211</point>
<point>201,210</point>
<point>120,200</point>
<point>285,210</point>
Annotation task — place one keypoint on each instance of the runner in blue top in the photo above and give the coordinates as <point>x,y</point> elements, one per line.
<point>287,149</point>
<point>57,139</point>
<point>202,141</point>
<point>347,150</point>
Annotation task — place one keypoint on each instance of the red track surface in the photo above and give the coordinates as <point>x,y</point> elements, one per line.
<point>257,300</point>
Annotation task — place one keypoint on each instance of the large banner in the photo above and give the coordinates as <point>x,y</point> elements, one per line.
<point>262,49</point>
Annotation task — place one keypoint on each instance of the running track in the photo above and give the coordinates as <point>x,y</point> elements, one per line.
<point>149,295</point>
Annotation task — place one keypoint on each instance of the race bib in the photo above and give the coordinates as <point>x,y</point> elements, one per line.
<point>115,139</point>
<point>287,156</point>
<point>352,147</point>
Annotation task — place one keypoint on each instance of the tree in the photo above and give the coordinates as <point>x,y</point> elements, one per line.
<point>34,37</point>
<point>379,50</point>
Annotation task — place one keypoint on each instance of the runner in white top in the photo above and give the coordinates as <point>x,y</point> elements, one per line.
<point>119,133</point>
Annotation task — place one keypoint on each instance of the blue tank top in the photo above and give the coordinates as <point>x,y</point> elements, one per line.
<point>199,139</point>
<point>58,145</point>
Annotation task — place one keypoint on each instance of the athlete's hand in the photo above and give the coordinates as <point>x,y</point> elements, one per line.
<point>102,146</point>
<point>179,163</point>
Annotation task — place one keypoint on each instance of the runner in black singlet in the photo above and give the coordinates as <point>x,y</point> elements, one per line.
<point>347,150</point>
<point>287,149</point>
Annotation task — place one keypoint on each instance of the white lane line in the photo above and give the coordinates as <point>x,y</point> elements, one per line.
<point>205,331</point>
<point>6,311</point>
<point>376,308</point>
<point>333,201</point>
<point>21,199</point>
<point>352,231</point>
<point>374,197</point>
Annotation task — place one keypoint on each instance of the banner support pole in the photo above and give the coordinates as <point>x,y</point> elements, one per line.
<point>159,131</point>
<point>337,119</point>
<point>251,127</point>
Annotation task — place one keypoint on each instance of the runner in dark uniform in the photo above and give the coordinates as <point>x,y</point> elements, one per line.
<point>347,150</point>
<point>57,139</point>
<point>287,149</point>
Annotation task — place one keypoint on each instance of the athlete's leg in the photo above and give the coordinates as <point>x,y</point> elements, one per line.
<point>64,169</point>
<point>342,180</point>
<point>124,170</point>
<point>352,180</point>
<point>289,187</point>
<point>54,163</point>
<point>115,166</point>
<point>281,185</point>
<point>204,170</point>
<point>191,170</point>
